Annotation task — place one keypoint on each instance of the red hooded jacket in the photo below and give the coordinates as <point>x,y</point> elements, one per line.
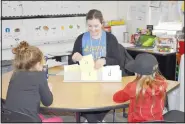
<point>143,110</point>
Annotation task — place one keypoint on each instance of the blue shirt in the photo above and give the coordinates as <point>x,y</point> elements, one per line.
<point>96,47</point>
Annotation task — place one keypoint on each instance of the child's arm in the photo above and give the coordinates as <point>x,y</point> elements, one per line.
<point>45,93</point>
<point>122,95</point>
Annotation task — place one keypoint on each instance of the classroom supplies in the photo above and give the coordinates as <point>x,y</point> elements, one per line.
<point>182,7</point>
<point>85,72</point>
<point>72,76</point>
<point>105,74</point>
<point>72,73</point>
<point>116,22</point>
<point>111,73</point>
<point>145,41</point>
<point>87,68</point>
<point>163,48</point>
<point>87,63</point>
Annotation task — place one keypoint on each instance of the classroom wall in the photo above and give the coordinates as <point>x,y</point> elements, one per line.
<point>132,24</point>
<point>138,16</point>
<point>111,10</point>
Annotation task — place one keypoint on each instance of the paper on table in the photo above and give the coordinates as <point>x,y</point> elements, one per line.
<point>111,73</point>
<point>112,67</point>
<point>60,73</point>
<point>89,75</point>
<point>72,76</point>
<point>87,63</point>
<point>53,63</point>
<point>74,67</point>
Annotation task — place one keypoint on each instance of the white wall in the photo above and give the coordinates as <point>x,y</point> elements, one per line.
<point>111,10</point>
<point>123,9</point>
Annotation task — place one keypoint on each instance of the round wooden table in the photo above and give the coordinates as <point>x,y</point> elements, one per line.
<point>81,97</point>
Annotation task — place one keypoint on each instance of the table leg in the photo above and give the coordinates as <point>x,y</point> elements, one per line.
<point>77,114</point>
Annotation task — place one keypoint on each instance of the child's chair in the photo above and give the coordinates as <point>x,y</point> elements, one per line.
<point>174,116</point>
<point>9,116</point>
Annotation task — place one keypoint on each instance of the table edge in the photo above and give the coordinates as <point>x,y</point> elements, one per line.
<point>122,105</point>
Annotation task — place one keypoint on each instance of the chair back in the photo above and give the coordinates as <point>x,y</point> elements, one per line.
<point>174,116</point>
<point>2,103</point>
<point>9,116</point>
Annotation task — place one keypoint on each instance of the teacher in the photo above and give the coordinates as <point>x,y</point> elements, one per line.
<point>102,45</point>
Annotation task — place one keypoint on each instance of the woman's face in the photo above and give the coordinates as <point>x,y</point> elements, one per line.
<point>94,27</point>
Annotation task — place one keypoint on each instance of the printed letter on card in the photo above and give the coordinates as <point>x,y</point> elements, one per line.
<point>87,63</point>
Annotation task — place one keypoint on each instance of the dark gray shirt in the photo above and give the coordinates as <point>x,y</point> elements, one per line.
<point>25,92</point>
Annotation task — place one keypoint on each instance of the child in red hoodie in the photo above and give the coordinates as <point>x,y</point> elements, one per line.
<point>146,93</point>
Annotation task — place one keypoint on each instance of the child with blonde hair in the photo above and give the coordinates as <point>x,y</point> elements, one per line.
<point>28,84</point>
<point>146,93</point>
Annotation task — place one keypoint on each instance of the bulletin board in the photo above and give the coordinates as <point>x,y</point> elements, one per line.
<point>165,11</point>
<point>40,31</point>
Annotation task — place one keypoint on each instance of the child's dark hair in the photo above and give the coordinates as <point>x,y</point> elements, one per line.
<point>95,14</point>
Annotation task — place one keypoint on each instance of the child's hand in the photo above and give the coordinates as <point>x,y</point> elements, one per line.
<point>50,86</point>
<point>99,63</point>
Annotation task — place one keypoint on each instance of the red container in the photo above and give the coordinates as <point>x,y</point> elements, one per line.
<point>107,28</point>
<point>181,47</point>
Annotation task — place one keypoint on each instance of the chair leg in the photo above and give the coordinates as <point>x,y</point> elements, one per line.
<point>77,115</point>
<point>125,115</point>
<point>114,112</point>
<point>167,105</point>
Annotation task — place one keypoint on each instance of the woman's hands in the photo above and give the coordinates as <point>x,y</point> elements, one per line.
<point>99,63</point>
<point>76,57</point>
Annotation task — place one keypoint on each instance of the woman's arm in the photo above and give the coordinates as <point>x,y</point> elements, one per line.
<point>76,48</point>
<point>113,53</point>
